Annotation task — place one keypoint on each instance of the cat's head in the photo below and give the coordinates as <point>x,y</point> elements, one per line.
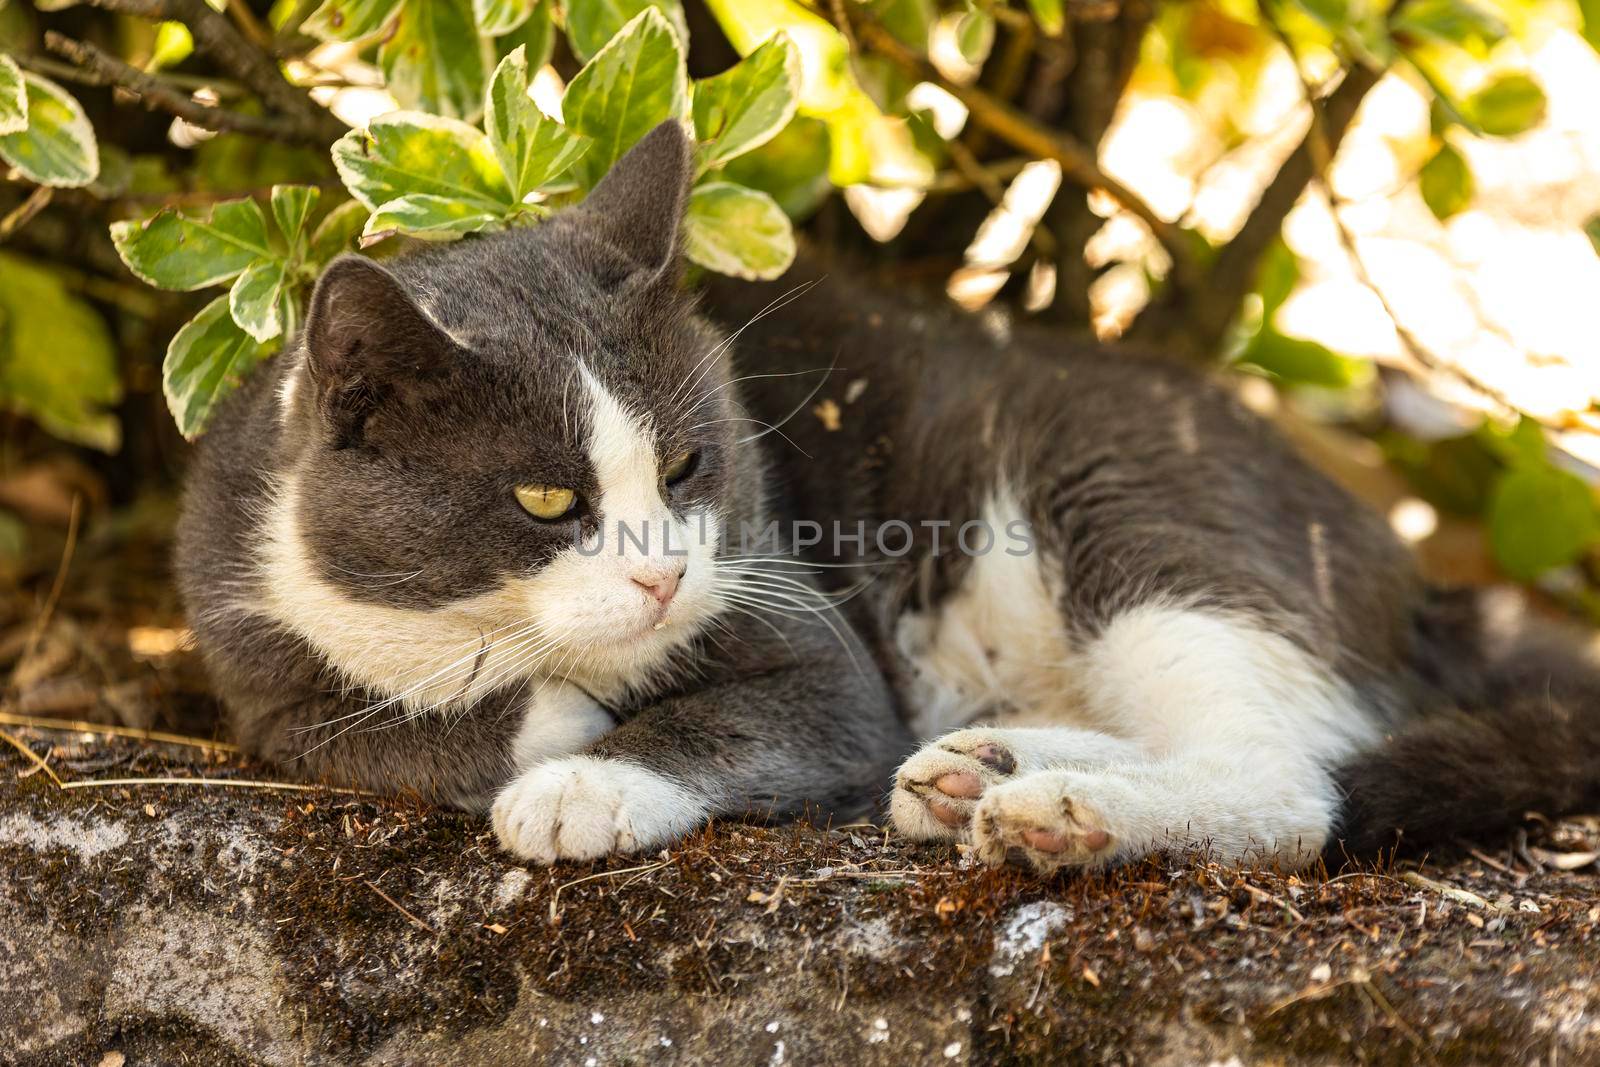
<point>523,442</point>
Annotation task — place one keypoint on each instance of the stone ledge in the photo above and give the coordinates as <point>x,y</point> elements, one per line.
<point>222,925</point>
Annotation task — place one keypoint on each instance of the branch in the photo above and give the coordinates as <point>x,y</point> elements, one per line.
<point>1078,163</point>
<point>99,68</point>
<point>19,217</point>
<point>221,40</point>
<point>1195,329</point>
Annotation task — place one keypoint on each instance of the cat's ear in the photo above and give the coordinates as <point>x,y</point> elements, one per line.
<point>366,339</point>
<point>638,207</point>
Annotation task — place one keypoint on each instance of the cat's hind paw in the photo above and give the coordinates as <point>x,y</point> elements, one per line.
<point>1052,819</point>
<point>581,808</point>
<point>937,788</point>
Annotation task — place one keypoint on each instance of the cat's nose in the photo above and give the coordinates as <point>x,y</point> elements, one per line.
<point>660,586</point>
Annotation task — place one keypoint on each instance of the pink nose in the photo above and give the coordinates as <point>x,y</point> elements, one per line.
<point>660,587</point>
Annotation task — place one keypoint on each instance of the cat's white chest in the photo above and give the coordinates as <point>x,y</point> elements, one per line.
<point>995,649</point>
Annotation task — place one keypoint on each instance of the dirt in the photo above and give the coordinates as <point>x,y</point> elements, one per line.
<point>226,924</point>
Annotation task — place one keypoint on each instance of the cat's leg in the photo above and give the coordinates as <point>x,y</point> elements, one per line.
<point>937,788</point>
<point>1237,807</point>
<point>1239,725</point>
<point>815,732</point>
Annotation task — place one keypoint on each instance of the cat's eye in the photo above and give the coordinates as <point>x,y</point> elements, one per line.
<point>546,501</point>
<point>678,468</point>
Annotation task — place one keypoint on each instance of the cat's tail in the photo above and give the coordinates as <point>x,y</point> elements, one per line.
<point>1519,733</point>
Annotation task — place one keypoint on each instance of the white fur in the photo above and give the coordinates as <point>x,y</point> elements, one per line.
<point>581,616</point>
<point>582,807</point>
<point>288,389</point>
<point>559,720</point>
<point>997,645</point>
<point>1231,727</point>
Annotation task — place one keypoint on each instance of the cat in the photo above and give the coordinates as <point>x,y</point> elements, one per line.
<point>483,535</point>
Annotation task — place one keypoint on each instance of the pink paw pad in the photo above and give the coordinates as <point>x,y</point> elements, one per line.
<point>961,784</point>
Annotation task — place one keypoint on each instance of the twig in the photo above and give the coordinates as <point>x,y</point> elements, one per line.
<point>218,38</point>
<point>1262,894</point>
<point>225,88</point>
<point>1375,995</point>
<point>24,212</point>
<point>106,69</point>
<point>1078,164</point>
<point>22,747</point>
<point>249,25</point>
<point>236,783</point>
<point>73,726</point>
<point>400,908</point>
<point>61,578</point>
<point>1196,329</point>
<point>1450,892</point>
<point>555,897</point>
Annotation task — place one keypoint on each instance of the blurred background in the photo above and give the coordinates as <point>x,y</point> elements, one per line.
<point>1381,221</point>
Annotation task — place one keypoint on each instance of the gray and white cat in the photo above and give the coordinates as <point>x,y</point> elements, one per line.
<point>473,538</point>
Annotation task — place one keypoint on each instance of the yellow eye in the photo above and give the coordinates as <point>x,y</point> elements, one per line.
<point>546,501</point>
<point>677,467</point>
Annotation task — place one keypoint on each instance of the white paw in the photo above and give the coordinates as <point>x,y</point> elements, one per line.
<point>937,788</point>
<point>582,808</point>
<point>1053,819</point>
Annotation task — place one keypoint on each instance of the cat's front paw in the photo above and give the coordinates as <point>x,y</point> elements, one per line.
<point>1053,819</point>
<point>937,788</point>
<point>582,808</point>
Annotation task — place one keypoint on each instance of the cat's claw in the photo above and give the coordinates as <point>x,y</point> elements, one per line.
<point>938,787</point>
<point>1046,821</point>
<point>582,808</point>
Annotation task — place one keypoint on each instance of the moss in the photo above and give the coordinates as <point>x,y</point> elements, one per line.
<point>810,920</point>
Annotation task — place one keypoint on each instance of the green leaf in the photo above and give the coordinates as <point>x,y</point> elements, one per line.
<point>291,207</point>
<point>532,149</point>
<point>432,60</point>
<point>792,168</point>
<point>1540,517</point>
<point>745,106</point>
<point>407,152</point>
<point>1050,15</point>
<point>173,250</point>
<point>13,96</point>
<point>1446,183</point>
<point>255,299</point>
<point>206,361</point>
<point>738,231</point>
<point>591,23</point>
<point>1589,17</point>
<point>632,85</point>
<point>58,146</point>
<point>1507,106</point>
<point>346,20</point>
<point>1276,277</point>
<point>57,362</point>
<point>337,232</point>
<point>1591,229</point>
<point>537,36</point>
<point>496,18</point>
<point>428,217</point>
<point>1454,22</point>
<point>1298,361</point>
<point>1521,444</point>
<point>910,21</point>
<point>173,44</point>
<point>975,35</point>
<point>1332,14</point>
